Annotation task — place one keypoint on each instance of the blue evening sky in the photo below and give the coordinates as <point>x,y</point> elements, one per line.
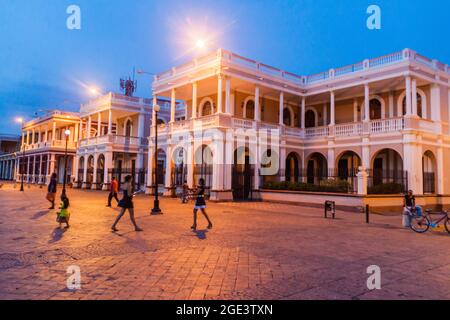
<point>44,65</point>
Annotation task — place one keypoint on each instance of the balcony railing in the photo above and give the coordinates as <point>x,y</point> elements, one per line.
<point>113,139</point>
<point>49,144</point>
<point>386,125</point>
<point>225,56</point>
<point>348,129</point>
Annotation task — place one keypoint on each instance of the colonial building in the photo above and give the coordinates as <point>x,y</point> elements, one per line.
<point>43,147</point>
<point>9,145</point>
<point>113,139</point>
<point>382,121</point>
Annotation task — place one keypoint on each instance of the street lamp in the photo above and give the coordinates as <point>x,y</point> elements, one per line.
<point>67,134</point>
<point>21,121</point>
<point>156,209</point>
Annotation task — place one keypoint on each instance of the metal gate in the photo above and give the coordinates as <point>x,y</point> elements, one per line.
<point>242,182</point>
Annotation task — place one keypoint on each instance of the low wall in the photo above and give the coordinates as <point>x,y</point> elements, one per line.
<point>350,202</point>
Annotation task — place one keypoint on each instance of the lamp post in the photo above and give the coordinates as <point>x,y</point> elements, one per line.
<point>21,121</point>
<point>156,209</point>
<point>67,134</point>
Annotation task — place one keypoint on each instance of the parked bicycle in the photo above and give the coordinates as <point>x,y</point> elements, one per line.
<point>422,223</point>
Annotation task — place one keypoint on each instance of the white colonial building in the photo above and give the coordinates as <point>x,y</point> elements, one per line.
<point>9,145</point>
<point>113,140</point>
<point>383,121</point>
<point>43,147</point>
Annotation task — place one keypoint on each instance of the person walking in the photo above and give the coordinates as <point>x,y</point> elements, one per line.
<point>126,203</point>
<point>114,189</point>
<point>51,190</point>
<point>200,204</point>
<point>63,216</point>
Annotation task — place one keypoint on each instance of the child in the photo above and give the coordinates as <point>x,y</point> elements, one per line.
<point>185,194</point>
<point>63,215</point>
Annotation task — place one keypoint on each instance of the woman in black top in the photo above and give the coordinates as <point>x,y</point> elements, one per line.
<point>126,203</point>
<point>200,204</point>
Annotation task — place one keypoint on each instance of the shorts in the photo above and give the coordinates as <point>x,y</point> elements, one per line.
<point>200,207</point>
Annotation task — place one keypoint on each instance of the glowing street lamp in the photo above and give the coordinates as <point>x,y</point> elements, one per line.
<point>67,134</point>
<point>93,91</point>
<point>200,44</point>
<point>21,121</point>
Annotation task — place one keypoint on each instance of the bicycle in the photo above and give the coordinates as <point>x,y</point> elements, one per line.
<point>422,223</point>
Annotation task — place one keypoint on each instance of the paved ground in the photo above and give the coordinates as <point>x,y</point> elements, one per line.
<point>255,251</point>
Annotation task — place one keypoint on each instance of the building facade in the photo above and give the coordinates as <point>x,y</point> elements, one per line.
<point>9,145</point>
<point>43,147</point>
<point>384,121</point>
<point>113,140</point>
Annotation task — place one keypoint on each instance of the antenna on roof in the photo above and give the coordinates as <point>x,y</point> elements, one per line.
<point>128,86</point>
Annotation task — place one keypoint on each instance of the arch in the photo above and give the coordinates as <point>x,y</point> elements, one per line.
<point>421,103</point>
<point>100,168</point>
<point>429,170</point>
<point>288,116</point>
<point>347,164</point>
<point>207,107</point>
<point>316,168</point>
<point>179,158</point>
<point>270,162</point>
<point>377,107</point>
<point>292,168</point>
<point>249,108</point>
<point>387,168</point>
<point>311,118</point>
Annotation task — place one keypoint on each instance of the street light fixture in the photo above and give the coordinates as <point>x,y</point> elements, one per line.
<point>156,209</point>
<point>21,121</point>
<point>67,134</point>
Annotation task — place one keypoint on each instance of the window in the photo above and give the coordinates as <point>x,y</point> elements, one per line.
<point>207,109</point>
<point>310,119</point>
<point>128,127</point>
<point>419,105</point>
<point>287,117</point>
<point>250,109</point>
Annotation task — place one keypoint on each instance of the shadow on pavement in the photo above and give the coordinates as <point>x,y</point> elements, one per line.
<point>39,214</point>
<point>201,234</point>
<point>57,234</point>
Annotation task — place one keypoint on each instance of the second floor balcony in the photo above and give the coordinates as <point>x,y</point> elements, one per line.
<point>118,142</point>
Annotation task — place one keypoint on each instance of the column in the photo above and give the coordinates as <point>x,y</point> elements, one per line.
<point>94,175</point>
<point>257,107</point>
<point>440,168</point>
<point>47,169</point>
<point>168,175</point>
<point>355,110</point>
<point>40,168</point>
<point>365,156</point>
<point>88,129</point>
<point>332,109</point>
<point>141,125</point>
<point>408,96</point>
<point>84,185</point>
<point>52,163</point>
<point>33,136</point>
<point>75,166</point>
<point>227,96</point>
<point>172,105</point>
<point>411,161</point>
<point>330,157</point>
<point>54,131</point>
<point>391,104</point>
<point>28,169</point>
<point>414,97</point>
<point>99,124</point>
<point>28,137</point>
<point>435,102</point>
<point>23,138</point>
<point>302,113</point>
<point>46,135</point>
<point>39,136</point>
<point>80,132</point>
<point>194,100</point>
<point>280,109</point>
<point>282,163</point>
<point>75,134</point>
<point>366,102</point>
<point>108,165</point>
<point>219,93</point>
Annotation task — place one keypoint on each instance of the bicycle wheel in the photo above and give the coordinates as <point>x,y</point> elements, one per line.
<point>420,224</point>
<point>447,225</point>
